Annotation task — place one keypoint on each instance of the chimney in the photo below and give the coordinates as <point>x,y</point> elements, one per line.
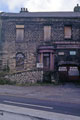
<point>23,10</point>
<point>77,8</point>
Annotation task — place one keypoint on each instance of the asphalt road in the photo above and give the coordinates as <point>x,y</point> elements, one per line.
<point>39,104</point>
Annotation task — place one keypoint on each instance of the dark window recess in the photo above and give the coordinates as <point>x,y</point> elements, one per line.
<point>0,62</point>
<point>39,58</point>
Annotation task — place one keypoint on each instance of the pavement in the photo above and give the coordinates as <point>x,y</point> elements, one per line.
<point>68,93</point>
<point>63,93</point>
<point>14,113</point>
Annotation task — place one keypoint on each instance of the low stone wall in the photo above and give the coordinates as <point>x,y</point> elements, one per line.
<point>26,77</point>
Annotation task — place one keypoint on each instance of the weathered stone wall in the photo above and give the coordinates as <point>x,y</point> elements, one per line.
<point>33,37</point>
<point>26,77</point>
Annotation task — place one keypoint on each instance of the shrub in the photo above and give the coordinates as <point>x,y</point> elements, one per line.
<point>4,80</point>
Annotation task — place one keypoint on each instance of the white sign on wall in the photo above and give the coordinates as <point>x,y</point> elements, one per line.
<point>39,65</point>
<point>72,52</point>
<point>60,53</point>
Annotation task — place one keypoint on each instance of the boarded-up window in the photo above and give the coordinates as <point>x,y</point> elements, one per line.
<point>19,32</point>
<point>67,32</point>
<point>47,33</point>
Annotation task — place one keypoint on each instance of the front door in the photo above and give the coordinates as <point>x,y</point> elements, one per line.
<point>46,61</point>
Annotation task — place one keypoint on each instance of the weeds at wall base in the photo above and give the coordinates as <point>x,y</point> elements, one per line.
<point>4,80</point>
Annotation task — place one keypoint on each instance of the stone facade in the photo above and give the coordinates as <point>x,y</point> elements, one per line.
<point>26,77</point>
<point>33,44</point>
<point>34,37</point>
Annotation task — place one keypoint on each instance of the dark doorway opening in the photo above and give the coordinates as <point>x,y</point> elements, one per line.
<point>69,73</point>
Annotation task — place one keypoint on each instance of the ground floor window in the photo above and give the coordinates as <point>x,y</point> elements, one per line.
<point>73,71</point>
<point>20,60</point>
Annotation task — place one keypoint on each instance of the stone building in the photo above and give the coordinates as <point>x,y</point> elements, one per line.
<point>41,41</point>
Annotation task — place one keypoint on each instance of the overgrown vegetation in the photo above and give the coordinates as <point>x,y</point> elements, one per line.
<point>6,69</point>
<point>4,80</point>
<point>38,84</point>
<point>3,73</point>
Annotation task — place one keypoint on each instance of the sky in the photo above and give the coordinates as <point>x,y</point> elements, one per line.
<point>38,5</point>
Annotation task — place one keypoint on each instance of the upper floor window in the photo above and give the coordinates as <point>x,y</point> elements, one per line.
<point>19,32</point>
<point>67,32</point>
<point>47,33</point>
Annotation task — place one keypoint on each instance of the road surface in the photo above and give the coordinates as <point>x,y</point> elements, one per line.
<point>40,106</point>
